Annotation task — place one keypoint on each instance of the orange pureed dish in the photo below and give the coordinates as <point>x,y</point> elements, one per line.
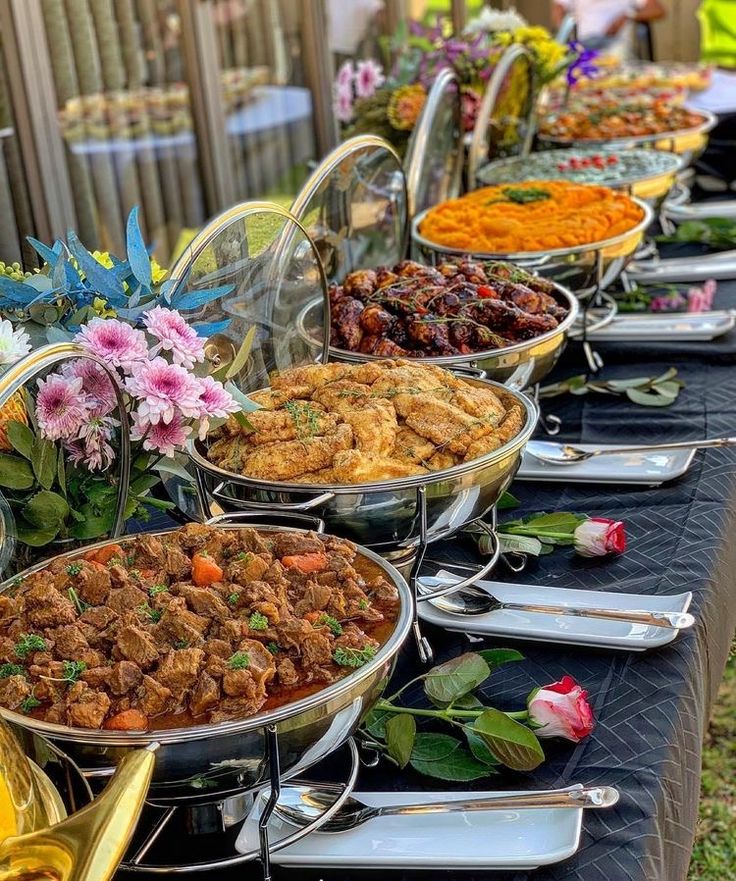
<point>530,216</point>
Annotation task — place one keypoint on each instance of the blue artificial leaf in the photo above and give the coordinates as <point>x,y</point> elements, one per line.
<point>166,290</point>
<point>140,262</point>
<point>211,328</point>
<point>56,334</point>
<point>246,404</point>
<point>48,255</point>
<point>99,279</point>
<point>40,283</point>
<point>195,299</point>
<point>16,291</point>
<point>135,298</point>
<point>58,275</point>
<point>132,315</point>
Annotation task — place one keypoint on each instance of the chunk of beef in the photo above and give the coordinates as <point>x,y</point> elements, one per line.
<point>126,599</point>
<point>148,551</point>
<point>46,607</point>
<point>204,601</point>
<point>134,644</point>
<point>100,618</point>
<point>175,562</point>
<point>69,642</point>
<point>181,625</point>
<point>153,697</point>
<point>315,599</point>
<point>119,576</point>
<point>250,568</point>
<point>179,670</point>
<point>7,607</point>
<point>86,707</point>
<point>288,543</point>
<point>240,683</point>
<point>124,677</point>
<point>237,708</point>
<point>205,695</point>
<point>92,584</point>
<point>291,633</point>
<point>13,691</point>
<point>286,672</point>
<point>352,637</point>
<point>219,648</point>
<point>96,677</point>
<point>261,663</point>
<point>316,649</point>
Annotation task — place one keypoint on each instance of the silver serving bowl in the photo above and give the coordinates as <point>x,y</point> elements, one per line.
<point>580,268</point>
<point>208,763</point>
<point>385,515</point>
<point>653,186</point>
<point>529,361</point>
<point>689,143</point>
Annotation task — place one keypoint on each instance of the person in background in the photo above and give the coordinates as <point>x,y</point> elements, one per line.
<point>607,25</point>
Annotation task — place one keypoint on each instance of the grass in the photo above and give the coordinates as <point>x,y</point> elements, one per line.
<point>714,855</point>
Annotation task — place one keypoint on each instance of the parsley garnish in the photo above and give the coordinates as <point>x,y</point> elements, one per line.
<point>73,569</point>
<point>157,588</point>
<point>523,195</point>
<point>363,604</point>
<point>29,642</point>
<point>73,670</point>
<point>243,556</point>
<point>239,661</point>
<point>30,703</point>
<point>233,598</point>
<point>332,623</point>
<point>257,621</point>
<point>273,648</point>
<point>347,657</point>
<point>153,614</point>
<point>78,601</point>
<point>306,418</point>
<point>11,670</point>
<point>181,644</point>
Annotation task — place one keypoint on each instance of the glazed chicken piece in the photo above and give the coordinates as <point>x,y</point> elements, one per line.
<point>430,335</point>
<point>360,283</point>
<point>375,319</point>
<point>286,460</point>
<point>352,466</point>
<point>374,428</point>
<point>347,323</point>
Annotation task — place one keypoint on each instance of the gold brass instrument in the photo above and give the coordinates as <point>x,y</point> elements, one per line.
<point>39,841</point>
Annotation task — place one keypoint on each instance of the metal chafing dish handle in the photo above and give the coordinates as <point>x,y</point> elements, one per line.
<point>424,595</point>
<point>684,269</point>
<point>272,518</point>
<point>306,505</point>
<point>702,210</point>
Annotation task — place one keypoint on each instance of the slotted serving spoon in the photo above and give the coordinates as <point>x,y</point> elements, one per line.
<point>301,805</point>
<point>567,454</point>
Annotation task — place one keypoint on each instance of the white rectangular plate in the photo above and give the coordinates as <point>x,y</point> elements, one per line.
<point>517,840</point>
<point>681,327</point>
<point>564,629</point>
<point>649,469</point>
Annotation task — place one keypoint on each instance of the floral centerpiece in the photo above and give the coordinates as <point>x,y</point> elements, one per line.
<point>60,439</point>
<point>369,97</point>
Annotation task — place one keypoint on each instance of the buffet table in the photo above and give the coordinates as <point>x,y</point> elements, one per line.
<point>652,708</point>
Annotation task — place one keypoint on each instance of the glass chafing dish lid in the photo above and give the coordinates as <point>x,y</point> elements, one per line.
<point>254,268</point>
<point>355,207</point>
<point>435,155</point>
<point>505,123</point>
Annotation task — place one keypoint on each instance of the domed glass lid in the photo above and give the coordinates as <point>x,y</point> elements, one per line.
<point>355,207</point>
<point>434,158</point>
<point>505,122</point>
<point>250,276</point>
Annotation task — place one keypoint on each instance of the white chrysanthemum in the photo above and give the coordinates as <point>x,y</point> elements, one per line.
<point>492,20</point>
<point>14,344</point>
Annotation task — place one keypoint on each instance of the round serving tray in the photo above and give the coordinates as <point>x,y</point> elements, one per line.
<point>582,269</point>
<point>533,359</point>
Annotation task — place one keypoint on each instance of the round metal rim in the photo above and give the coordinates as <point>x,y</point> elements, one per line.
<point>417,149</point>
<point>573,307</point>
<point>327,167</point>
<point>488,105</point>
<point>536,255</point>
<point>676,158</point>
<point>532,414</point>
<point>708,123</point>
<point>199,732</point>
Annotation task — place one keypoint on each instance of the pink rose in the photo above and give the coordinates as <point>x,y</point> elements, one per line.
<point>561,710</point>
<point>599,536</point>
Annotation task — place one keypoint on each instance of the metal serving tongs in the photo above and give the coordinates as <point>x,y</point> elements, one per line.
<point>38,840</point>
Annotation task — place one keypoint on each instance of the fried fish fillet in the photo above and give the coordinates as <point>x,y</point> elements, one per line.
<point>312,375</point>
<point>343,395</point>
<point>411,447</point>
<point>446,426</point>
<point>480,402</point>
<point>352,466</point>
<point>510,426</point>
<point>374,428</point>
<point>299,420</point>
<point>286,460</point>
<point>269,399</point>
<point>230,453</point>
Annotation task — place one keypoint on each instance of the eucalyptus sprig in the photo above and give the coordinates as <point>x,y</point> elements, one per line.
<point>648,391</point>
<point>486,737</point>
<point>718,232</point>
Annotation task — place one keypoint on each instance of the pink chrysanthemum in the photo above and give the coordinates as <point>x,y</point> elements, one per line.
<point>95,435</point>
<point>163,390</point>
<point>114,341</point>
<point>96,384</point>
<point>368,77</point>
<point>343,103</point>
<point>174,335</point>
<point>61,407</point>
<point>214,402</point>
<point>345,75</point>
<point>164,437</point>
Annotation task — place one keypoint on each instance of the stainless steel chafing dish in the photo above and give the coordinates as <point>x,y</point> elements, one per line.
<point>207,763</point>
<point>582,268</point>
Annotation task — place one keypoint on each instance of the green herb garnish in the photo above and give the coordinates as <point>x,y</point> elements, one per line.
<point>157,588</point>
<point>332,623</point>
<point>239,661</point>
<point>11,670</point>
<point>232,598</point>
<point>243,556</point>
<point>29,642</point>
<point>73,670</point>
<point>363,604</point>
<point>347,657</point>
<point>273,648</point>
<point>257,621</point>
<point>74,569</point>
<point>181,644</point>
<point>30,703</point>
<point>80,604</point>
<point>153,614</point>
<point>524,195</point>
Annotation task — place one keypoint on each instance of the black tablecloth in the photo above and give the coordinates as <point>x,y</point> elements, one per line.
<point>651,708</point>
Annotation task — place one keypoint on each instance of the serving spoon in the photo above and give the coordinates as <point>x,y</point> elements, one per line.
<point>566,454</point>
<point>478,600</point>
<point>301,805</point>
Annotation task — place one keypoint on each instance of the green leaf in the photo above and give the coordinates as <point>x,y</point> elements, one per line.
<point>520,544</point>
<point>512,743</point>
<point>507,502</point>
<point>455,678</point>
<point>375,723</point>
<point>479,748</point>
<point>445,757</point>
<point>243,352</point>
<point>15,473</point>
<point>93,525</point>
<point>46,510</point>
<point>143,483</point>
<point>648,399</point>
<point>561,521</point>
<point>21,437</point>
<point>61,473</point>
<point>497,657</point>
<point>245,402</point>
<point>401,730</point>
<point>43,460</point>
<point>35,537</point>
